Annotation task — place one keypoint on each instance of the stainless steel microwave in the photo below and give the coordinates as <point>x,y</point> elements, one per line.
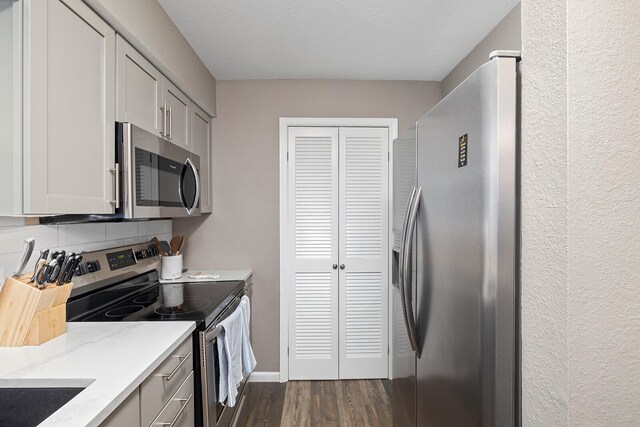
<point>155,178</point>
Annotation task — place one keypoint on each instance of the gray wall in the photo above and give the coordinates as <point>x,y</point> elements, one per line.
<point>146,25</point>
<point>603,203</point>
<point>505,36</point>
<point>544,213</point>
<point>243,231</point>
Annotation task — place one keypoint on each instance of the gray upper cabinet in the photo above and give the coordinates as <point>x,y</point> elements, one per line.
<point>176,109</point>
<point>201,144</point>
<point>69,109</point>
<point>139,89</point>
<point>148,99</point>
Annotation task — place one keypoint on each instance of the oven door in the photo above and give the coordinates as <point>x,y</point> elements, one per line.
<point>216,414</point>
<point>160,179</point>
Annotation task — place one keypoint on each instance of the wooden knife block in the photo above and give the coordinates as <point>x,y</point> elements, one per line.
<point>30,316</point>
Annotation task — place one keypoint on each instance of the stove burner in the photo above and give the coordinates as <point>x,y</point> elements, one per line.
<point>123,311</point>
<point>146,298</point>
<point>189,306</point>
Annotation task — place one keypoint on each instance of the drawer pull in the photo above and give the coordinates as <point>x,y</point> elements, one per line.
<point>185,403</point>
<point>169,377</point>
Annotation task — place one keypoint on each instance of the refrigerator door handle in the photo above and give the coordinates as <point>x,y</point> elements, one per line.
<point>407,278</point>
<point>401,265</point>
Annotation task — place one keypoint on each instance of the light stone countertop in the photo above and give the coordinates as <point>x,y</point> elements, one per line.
<point>225,276</point>
<point>110,359</point>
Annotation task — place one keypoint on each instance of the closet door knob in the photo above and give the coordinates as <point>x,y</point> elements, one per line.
<point>341,266</point>
<point>335,266</point>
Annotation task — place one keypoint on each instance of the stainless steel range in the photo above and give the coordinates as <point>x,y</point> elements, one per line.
<point>121,284</point>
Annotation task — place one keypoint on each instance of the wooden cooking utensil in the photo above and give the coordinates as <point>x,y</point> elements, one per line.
<point>174,244</point>
<point>180,245</point>
<point>159,246</point>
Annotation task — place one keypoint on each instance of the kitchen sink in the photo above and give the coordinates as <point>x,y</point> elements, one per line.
<point>29,406</point>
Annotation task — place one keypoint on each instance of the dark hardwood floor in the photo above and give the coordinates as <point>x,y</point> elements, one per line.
<point>345,403</point>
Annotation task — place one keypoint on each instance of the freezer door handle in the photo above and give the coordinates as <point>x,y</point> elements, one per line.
<point>405,271</point>
<point>402,263</point>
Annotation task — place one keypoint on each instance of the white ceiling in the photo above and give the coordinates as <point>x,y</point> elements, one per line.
<point>322,39</point>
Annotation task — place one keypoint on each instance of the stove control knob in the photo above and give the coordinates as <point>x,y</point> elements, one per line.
<point>81,269</point>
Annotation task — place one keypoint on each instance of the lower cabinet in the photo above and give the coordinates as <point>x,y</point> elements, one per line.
<point>127,414</point>
<point>164,398</point>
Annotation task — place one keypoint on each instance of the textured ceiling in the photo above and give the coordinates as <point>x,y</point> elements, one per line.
<point>321,39</point>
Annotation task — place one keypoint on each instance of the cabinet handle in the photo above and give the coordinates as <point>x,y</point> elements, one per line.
<point>185,403</point>
<point>163,132</point>
<point>342,266</point>
<point>335,266</point>
<point>170,123</point>
<point>116,172</point>
<point>169,377</point>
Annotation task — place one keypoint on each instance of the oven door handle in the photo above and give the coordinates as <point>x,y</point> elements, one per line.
<point>213,333</point>
<point>169,376</point>
<point>216,329</point>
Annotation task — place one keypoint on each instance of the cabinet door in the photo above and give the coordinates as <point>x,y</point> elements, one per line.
<point>201,145</point>
<point>139,89</point>
<point>69,109</point>
<point>177,114</point>
<point>127,414</point>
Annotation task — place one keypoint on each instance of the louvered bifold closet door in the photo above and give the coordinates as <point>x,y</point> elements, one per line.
<point>313,246</point>
<point>364,252</point>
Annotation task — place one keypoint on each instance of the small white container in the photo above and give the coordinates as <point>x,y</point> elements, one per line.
<point>171,267</point>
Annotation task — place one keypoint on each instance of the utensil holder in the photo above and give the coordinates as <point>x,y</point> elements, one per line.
<point>171,267</point>
<point>31,316</point>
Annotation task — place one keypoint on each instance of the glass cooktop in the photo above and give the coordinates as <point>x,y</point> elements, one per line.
<point>143,299</point>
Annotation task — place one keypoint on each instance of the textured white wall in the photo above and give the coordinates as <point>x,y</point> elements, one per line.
<point>580,203</point>
<point>603,206</point>
<point>544,213</point>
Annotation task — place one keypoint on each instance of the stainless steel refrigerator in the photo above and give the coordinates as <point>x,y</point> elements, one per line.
<point>455,254</point>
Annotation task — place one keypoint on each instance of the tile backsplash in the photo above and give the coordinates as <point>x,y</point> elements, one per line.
<point>75,238</point>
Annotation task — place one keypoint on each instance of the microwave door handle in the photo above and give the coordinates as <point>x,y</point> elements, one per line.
<point>401,265</point>
<point>197,197</point>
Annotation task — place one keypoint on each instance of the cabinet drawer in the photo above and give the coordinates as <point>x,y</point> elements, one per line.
<point>158,388</point>
<point>180,409</point>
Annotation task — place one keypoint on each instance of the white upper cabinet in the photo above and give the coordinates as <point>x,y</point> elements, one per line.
<point>139,89</point>
<point>176,110</point>
<point>201,145</point>
<point>69,109</point>
<point>10,107</point>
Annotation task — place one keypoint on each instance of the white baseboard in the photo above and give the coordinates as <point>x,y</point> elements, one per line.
<point>264,377</point>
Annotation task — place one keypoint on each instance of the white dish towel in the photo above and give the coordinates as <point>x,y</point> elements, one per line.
<point>248,359</point>
<point>234,352</point>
